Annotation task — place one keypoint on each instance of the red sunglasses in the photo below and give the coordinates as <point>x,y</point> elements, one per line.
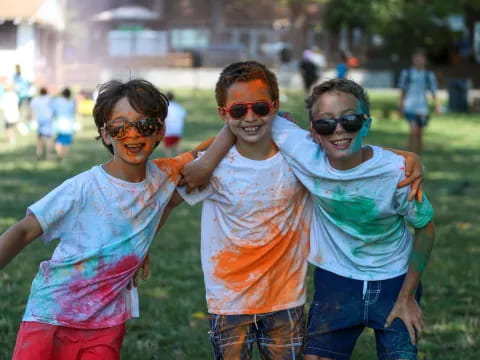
<point>239,110</point>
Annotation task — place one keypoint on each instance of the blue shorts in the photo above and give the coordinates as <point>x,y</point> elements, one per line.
<point>343,307</point>
<point>279,335</point>
<point>420,120</point>
<point>64,139</point>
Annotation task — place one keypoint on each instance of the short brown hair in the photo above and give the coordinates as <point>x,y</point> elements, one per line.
<point>245,71</point>
<point>344,85</point>
<point>142,95</point>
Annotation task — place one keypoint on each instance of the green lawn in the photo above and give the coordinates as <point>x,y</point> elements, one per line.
<point>173,323</point>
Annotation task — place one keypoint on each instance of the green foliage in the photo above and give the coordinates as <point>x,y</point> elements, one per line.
<point>423,21</point>
<point>173,323</point>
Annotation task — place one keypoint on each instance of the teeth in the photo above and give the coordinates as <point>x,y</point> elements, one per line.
<point>342,142</point>
<point>251,129</point>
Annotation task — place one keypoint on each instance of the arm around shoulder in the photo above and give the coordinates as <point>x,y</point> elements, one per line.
<point>17,237</point>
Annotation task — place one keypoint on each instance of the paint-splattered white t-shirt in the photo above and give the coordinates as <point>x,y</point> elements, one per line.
<point>104,226</point>
<point>255,233</point>
<point>359,227</point>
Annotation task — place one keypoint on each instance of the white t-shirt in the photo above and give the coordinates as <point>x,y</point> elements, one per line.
<point>9,104</point>
<point>104,226</point>
<point>416,83</point>
<point>42,108</point>
<point>175,119</point>
<point>359,227</point>
<point>255,236</point>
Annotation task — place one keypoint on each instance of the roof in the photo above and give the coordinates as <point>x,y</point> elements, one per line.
<point>47,12</point>
<point>130,12</point>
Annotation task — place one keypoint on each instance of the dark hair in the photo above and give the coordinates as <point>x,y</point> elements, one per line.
<point>169,95</point>
<point>344,85</point>
<point>141,94</point>
<point>43,91</point>
<point>244,71</point>
<point>66,93</point>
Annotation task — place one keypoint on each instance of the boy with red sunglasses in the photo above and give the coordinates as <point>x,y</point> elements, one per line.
<point>367,266</point>
<point>105,219</point>
<point>255,226</point>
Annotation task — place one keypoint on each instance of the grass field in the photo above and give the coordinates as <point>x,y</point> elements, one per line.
<point>173,324</point>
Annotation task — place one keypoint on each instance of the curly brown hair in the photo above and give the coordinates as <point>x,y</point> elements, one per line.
<point>142,95</point>
<point>344,85</point>
<point>245,71</point>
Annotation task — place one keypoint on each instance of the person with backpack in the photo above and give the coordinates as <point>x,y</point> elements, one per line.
<point>414,83</point>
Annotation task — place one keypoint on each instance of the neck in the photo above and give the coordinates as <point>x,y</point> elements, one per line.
<point>257,151</point>
<point>126,172</point>
<point>353,160</point>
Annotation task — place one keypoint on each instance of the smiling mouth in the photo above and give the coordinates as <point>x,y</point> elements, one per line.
<point>135,148</point>
<point>342,143</point>
<point>251,129</point>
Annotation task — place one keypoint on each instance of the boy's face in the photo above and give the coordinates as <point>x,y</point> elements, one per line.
<point>341,146</point>
<point>419,60</point>
<point>129,145</point>
<point>254,125</point>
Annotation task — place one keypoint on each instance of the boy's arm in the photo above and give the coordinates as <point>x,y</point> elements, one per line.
<point>406,307</point>
<point>413,172</point>
<point>17,237</point>
<point>174,201</point>
<point>197,174</point>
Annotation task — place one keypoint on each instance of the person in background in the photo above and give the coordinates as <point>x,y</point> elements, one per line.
<point>174,123</point>
<point>64,109</point>
<point>9,105</point>
<point>42,113</point>
<point>415,82</point>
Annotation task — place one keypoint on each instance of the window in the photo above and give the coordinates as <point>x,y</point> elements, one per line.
<point>8,36</point>
<point>189,38</point>
<point>137,42</point>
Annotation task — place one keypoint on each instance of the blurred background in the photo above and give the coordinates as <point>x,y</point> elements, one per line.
<point>79,44</point>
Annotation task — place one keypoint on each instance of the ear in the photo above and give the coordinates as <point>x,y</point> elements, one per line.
<point>161,133</point>
<point>276,106</point>
<point>366,127</point>
<point>222,113</point>
<point>314,134</point>
<point>106,138</point>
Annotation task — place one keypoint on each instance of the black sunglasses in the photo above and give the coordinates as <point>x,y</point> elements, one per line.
<point>351,123</point>
<point>239,110</point>
<point>118,129</point>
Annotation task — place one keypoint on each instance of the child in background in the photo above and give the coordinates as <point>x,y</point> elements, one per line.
<point>415,83</point>
<point>367,266</point>
<point>65,113</point>
<point>42,111</point>
<point>174,124</point>
<point>9,105</point>
<point>105,219</point>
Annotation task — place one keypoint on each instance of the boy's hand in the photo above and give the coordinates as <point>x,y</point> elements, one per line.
<point>196,174</point>
<point>408,310</point>
<point>145,272</point>
<point>414,173</point>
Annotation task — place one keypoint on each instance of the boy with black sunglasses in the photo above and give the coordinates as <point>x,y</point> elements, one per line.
<point>368,267</point>
<point>105,219</point>
<point>255,226</point>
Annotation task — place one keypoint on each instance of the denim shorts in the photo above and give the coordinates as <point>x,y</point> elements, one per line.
<point>420,120</point>
<point>343,307</point>
<point>279,335</point>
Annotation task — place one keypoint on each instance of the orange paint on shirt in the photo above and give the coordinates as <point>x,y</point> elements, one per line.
<point>172,166</point>
<point>270,272</point>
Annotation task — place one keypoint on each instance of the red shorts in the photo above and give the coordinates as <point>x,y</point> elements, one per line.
<point>50,342</point>
<point>169,141</point>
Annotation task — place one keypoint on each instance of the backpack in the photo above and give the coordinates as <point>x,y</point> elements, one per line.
<point>427,79</point>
